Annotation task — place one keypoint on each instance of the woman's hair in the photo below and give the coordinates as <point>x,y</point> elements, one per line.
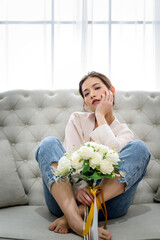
<point>102,77</point>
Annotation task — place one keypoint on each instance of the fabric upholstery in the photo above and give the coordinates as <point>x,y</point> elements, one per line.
<point>157,196</point>
<point>11,189</point>
<point>31,222</point>
<point>26,117</point>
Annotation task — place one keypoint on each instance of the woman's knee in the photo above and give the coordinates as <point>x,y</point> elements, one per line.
<point>46,144</point>
<point>136,156</point>
<point>141,150</point>
<point>136,149</point>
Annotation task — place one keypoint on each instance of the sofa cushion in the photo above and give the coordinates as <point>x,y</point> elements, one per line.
<point>11,189</point>
<point>157,196</point>
<point>31,222</point>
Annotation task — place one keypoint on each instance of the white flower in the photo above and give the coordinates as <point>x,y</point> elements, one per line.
<point>112,157</point>
<point>86,152</point>
<point>106,167</point>
<point>77,162</point>
<point>64,166</point>
<point>103,149</point>
<point>94,162</point>
<point>93,144</point>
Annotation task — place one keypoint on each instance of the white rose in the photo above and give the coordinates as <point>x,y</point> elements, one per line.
<point>77,163</point>
<point>103,149</point>
<point>93,144</point>
<point>112,157</point>
<point>86,152</point>
<point>106,167</point>
<point>94,162</point>
<point>64,166</point>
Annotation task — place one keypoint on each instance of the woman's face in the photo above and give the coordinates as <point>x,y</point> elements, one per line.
<point>92,89</point>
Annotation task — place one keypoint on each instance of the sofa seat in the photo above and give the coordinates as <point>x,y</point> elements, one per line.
<point>31,222</point>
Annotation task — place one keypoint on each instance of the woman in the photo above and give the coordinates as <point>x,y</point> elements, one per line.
<point>68,200</point>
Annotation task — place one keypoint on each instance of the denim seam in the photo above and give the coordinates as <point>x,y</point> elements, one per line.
<point>50,180</point>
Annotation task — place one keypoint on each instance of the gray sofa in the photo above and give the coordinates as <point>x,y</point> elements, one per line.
<point>26,117</point>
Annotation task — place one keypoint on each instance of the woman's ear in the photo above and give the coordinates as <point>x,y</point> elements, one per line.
<point>113,90</point>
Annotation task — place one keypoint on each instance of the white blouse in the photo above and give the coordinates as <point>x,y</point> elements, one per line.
<point>81,128</point>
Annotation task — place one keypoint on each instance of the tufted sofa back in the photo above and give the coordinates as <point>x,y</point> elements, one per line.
<point>26,117</point>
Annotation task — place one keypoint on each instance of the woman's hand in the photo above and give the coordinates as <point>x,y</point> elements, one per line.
<point>84,196</point>
<point>105,104</point>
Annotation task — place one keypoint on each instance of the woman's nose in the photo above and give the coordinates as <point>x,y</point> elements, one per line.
<point>92,94</point>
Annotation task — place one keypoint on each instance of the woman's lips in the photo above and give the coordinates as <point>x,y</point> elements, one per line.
<point>95,101</point>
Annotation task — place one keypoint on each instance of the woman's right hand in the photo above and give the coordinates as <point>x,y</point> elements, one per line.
<point>106,103</point>
<point>84,196</point>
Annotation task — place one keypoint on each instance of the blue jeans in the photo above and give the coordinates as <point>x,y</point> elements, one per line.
<point>136,157</point>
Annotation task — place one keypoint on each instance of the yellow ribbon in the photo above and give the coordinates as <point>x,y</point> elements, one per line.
<point>94,191</point>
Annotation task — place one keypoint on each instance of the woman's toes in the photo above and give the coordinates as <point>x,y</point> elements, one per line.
<point>52,226</point>
<point>60,225</point>
<point>65,231</point>
<point>57,229</point>
<point>61,231</point>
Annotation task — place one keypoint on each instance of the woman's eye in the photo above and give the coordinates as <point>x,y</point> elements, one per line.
<point>97,88</point>
<point>86,94</point>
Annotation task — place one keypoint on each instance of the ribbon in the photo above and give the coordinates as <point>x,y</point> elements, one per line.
<point>94,191</point>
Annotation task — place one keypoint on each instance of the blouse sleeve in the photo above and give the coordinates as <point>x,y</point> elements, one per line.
<point>73,134</point>
<point>116,138</point>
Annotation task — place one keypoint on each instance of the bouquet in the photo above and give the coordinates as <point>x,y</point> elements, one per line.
<point>91,162</point>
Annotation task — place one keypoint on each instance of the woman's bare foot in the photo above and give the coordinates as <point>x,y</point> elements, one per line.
<point>77,227</point>
<point>104,234</point>
<point>60,225</point>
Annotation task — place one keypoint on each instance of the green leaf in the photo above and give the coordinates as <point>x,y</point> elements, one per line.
<point>86,167</point>
<point>96,176</point>
<point>116,167</point>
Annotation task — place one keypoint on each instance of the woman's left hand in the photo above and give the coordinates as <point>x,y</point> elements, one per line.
<point>105,104</point>
<point>84,196</point>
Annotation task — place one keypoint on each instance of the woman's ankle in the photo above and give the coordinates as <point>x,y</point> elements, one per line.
<point>75,222</point>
